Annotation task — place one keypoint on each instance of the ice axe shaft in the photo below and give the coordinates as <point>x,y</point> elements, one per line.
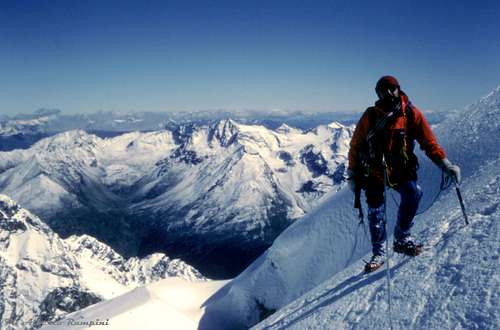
<point>459,194</point>
<point>357,204</point>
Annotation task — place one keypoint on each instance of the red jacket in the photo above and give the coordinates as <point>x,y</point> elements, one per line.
<point>416,129</point>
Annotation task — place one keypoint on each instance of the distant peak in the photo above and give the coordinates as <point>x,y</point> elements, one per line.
<point>7,203</point>
<point>226,131</point>
<point>70,134</point>
<point>14,218</point>
<point>47,112</point>
<point>68,139</point>
<point>228,121</point>
<point>335,125</point>
<point>492,99</point>
<point>495,93</point>
<point>284,128</point>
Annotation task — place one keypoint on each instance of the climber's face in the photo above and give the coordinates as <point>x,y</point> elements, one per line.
<point>391,93</point>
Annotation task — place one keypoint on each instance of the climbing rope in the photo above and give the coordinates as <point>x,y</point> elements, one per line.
<point>387,259</point>
<point>446,183</point>
<point>361,223</point>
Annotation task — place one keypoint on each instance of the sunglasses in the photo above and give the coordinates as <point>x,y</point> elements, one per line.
<point>392,92</point>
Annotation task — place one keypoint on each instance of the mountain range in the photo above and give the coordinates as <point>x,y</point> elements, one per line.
<point>214,195</point>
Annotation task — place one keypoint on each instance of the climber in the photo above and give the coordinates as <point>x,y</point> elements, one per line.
<point>381,154</point>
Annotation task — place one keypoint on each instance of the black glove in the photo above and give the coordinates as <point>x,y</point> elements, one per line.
<point>450,170</point>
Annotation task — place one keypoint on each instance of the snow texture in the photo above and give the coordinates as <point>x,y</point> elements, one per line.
<point>167,304</point>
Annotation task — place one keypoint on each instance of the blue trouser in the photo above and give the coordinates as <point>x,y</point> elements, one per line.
<point>410,193</point>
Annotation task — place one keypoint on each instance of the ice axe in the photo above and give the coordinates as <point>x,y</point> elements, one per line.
<point>455,180</point>
<point>357,204</point>
<point>460,199</point>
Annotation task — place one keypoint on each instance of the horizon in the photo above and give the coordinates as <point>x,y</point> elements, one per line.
<point>40,112</point>
<point>171,57</point>
<point>236,112</point>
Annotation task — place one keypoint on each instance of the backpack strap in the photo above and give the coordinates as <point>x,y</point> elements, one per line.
<point>382,122</point>
<point>410,117</point>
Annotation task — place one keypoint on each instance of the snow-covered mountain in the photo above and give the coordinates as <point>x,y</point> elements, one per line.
<point>310,278</point>
<point>215,195</point>
<point>22,126</point>
<point>43,276</point>
<point>22,132</point>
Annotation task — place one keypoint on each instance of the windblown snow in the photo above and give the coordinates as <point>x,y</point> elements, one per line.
<point>310,278</point>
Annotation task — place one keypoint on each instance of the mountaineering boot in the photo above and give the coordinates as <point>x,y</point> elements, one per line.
<point>375,263</point>
<point>407,246</point>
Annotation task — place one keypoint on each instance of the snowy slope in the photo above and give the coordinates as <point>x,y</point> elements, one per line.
<point>219,191</point>
<point>42,275</point>
<point>454,284</point>
<point>104,271</point>
<point>167,304</point>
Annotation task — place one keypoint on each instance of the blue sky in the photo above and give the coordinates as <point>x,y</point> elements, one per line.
<point>85,56</point>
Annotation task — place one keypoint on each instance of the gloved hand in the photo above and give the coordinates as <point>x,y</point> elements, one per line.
<point>451,170</point>
<point>351,182</point>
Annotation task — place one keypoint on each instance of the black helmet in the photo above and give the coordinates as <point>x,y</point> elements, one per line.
<point>387,86</point>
